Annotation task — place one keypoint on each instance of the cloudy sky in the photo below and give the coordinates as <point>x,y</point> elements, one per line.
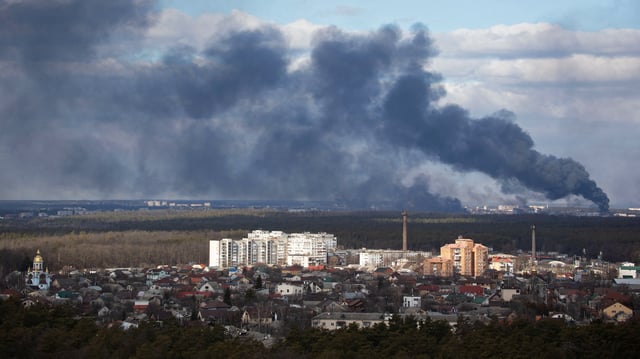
<point>420,105</point>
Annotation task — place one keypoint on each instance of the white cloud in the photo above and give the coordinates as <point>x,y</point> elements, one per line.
<point>577,68</point>
<point>300,33</point>
<point>173,27</point>
<point>537,40</point>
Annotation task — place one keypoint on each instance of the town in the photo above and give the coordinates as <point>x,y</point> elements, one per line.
<point>123,281</point>
<point>270,282</point>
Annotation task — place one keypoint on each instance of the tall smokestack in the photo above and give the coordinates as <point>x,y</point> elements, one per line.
<point>533,249</point>
<point>404,230</point>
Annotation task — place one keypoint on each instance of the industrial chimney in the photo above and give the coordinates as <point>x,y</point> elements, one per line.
<point>533,249</point>
<point>404,230</point>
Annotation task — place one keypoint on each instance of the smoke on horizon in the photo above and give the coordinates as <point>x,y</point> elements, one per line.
<point>79,109</point>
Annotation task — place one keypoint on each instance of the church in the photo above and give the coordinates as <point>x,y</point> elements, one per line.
<point>38,276</point>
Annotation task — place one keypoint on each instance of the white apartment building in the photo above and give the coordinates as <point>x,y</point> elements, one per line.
<point>374,258</point>
<point>370,259</point>
<point>272,248</point>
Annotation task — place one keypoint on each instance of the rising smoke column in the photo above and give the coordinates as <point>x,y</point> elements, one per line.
<point>234,119</point>
<point>494,145</point>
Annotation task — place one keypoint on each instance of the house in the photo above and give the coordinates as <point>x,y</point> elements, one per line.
<point>333,321</point>
<point>507,294</point>
<point>313,287</point>
<point>403,280</point>
<point>124,296</point>
<point>628,270</point>
<point>104,312</point>
<point>213,287</point>
<point>163,283</point>
<point>61,283</point>
<point>292,278</point>
<point>215,305</point>
<point>411,301</point>
<point>140,306</point>
<point>257,316</point>
<point>502,263</point>
<point>356,305</point>
<point>161,315</point>
<point>288,289</point>
<point>610,296</point>
<point>425,289</point>
<point>383,272</point>
<point>471,290</point>
<point>215,312</point>
<point>564,316</point>
<point>617,312</point>
<point>193,294</point>
<point>197,278</point>
<point>156,274</point>
<point>353,295</point>
<point>332,306</point>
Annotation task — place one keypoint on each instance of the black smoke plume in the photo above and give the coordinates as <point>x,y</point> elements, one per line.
<point>86,112</point>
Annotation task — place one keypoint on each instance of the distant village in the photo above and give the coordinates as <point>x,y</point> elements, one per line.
<point>271,280</point>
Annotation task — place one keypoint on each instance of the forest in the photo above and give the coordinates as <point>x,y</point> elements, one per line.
<point>143,238</point>
<point>43,332</point>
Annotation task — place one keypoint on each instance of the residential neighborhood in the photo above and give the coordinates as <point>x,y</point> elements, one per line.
<point>269,300</point>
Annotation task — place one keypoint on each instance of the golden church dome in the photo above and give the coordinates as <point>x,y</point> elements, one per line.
<point>37,258</point>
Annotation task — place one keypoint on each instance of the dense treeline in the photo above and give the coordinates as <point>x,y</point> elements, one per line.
<point>547,338</point>
<point>178,236</point>
<point>41,332</point>
<point>109,249</point>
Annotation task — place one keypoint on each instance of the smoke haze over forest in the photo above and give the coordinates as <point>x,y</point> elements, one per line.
<point>95,105</point>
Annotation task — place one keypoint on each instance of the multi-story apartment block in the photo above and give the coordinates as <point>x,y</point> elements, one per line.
<point>387,257</point>
<point>438,266</point>
<point>463,257</point>
<point>272,248</point>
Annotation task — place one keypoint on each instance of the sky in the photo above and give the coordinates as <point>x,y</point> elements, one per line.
<point>424,105</point>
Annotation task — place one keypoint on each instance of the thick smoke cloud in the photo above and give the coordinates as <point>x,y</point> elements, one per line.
<point>82,110</point>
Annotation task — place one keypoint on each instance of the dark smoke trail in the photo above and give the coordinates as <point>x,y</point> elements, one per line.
<point>493,145</point>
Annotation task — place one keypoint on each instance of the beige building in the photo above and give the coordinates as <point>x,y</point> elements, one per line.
<point>618,312</point>
<point>468,258</point>
<point>438,266</point>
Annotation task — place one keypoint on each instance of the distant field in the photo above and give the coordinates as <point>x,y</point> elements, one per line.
<point>131,238</point>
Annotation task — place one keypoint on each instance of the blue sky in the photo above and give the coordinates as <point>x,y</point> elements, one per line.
<point>439,16</point>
